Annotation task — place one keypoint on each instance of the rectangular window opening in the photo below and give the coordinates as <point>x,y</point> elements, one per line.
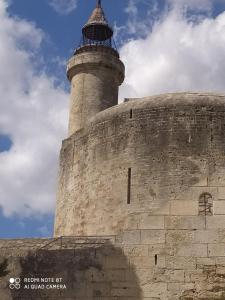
<point>156,259</point>
<point>129,186</point>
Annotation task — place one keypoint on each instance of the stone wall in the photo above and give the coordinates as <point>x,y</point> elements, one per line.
<point>138,264</point>
<point>89,268</point>
<point>147,164</point>
<point>95,77</point>
<point>151,172</point>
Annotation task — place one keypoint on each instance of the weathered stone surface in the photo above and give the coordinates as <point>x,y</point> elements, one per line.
<point>219,207</point>
<point>184,208</point>
<point>180,237</point>
<point>216,250</point>
<point>102,73</point>
<point>193,250</point>
<point>153,236</point>
<point>140,135</point>
<point>215,222</point>
<point>168,151</point>
<point>221,193</point>
<point>209,236</point>
<point>185,222</point>
<point>85,274</point>
<point>96,268</point>
<point>147,221</point>
<point>182,263</point>
<point>132,237</point>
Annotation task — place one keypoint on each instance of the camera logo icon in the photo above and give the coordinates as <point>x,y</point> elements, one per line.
<point>14,283</point>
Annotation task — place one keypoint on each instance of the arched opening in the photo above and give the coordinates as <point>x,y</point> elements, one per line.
<point>205,205</point>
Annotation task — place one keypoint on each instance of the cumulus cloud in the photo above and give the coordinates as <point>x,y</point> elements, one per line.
<point>137,24</point>
<point>33,112</point>
<point>63,7</point>
<point>177,53</point>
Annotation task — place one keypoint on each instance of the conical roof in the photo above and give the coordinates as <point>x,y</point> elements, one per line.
<point>97,27</point>
<point>97,16</point>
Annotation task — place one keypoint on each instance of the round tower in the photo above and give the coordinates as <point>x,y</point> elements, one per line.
<point>148,174</point>
<point>95,72</point>
<point>154,164</point>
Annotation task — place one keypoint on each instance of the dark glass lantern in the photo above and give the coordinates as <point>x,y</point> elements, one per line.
<point>97,30</point>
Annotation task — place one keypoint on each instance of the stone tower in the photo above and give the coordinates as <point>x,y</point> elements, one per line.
<point>95,72</point>
<point>143,164</point>
<point>148,174</point>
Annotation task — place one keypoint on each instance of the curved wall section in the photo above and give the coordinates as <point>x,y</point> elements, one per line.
<point>147,164</point>
<point>95,74</point>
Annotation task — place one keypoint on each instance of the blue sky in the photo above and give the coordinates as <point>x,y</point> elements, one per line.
<point>64,31</point>
<point>171,42</point>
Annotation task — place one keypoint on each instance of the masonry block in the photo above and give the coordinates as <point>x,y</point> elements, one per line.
<point>185,222</point>
<point>180,236</point>
<point>153,236</point>
<point>193,250</point>
<point>147,221</point>
<point>216,250</point>
<point>185,263</point>
<point>157,290</point>
<point>209,236</point>
<point>136,250</point>
<point>205,261</point>
<point>221,193</point>
<point>215,222</point>
<point>184,208</point>
<point>131,237</point>
<point>219,207</point>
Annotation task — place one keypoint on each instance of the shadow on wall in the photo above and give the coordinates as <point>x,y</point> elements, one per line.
<point>89,271</point>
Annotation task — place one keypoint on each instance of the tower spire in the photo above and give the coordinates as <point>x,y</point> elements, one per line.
<point>98,16</point>
<point>97,29</point>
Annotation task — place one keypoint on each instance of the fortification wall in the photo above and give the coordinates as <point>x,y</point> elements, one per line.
<point>89,268</point>
<point>151,171</point>
<point>147,164</point>
<point>139,265</point>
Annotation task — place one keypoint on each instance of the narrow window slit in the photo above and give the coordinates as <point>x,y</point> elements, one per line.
<point>129,186</point>
<point>131,113</point>
<point>156,259</point>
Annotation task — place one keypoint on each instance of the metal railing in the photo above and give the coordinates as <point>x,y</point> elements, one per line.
<point>63,242</point>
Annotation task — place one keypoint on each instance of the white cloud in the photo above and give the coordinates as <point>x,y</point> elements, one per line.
<point>137,25</point>
<point>201,5</point>
<point>177,54</point>
<point>63,7</point>
<point>33,112</point>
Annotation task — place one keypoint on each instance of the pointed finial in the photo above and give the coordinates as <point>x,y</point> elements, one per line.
<point>99,3</point>
<point>97,27</point>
